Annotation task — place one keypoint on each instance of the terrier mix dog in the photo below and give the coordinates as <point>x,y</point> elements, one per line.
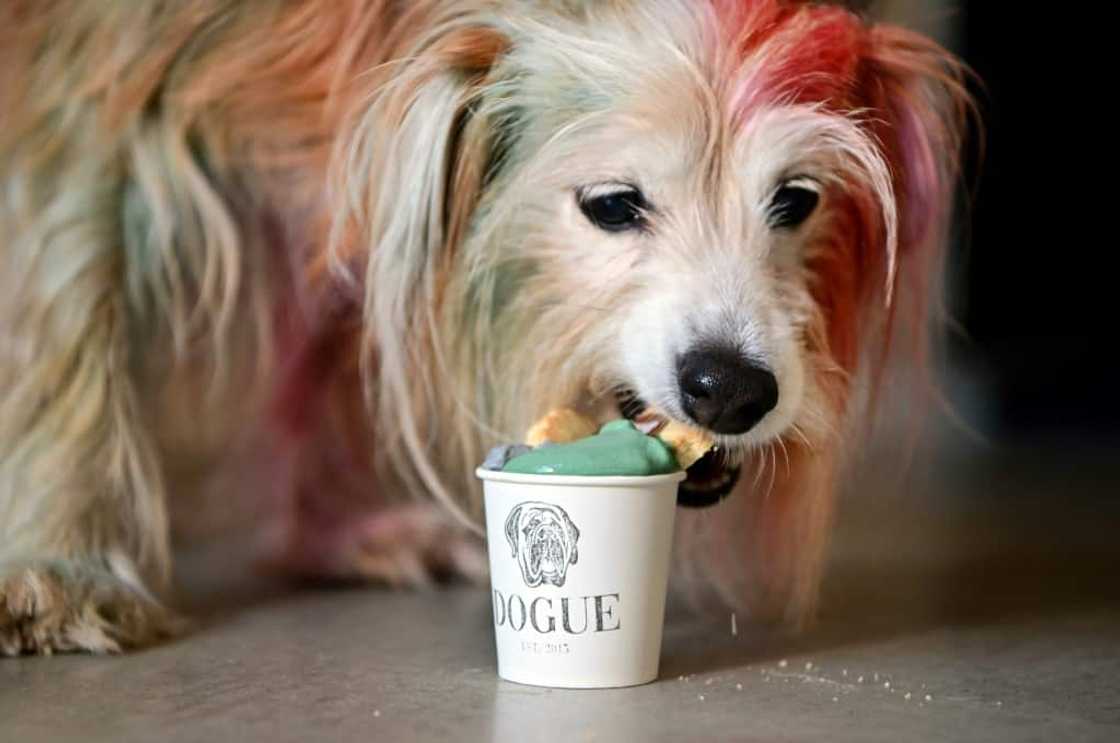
<point>308,260</point>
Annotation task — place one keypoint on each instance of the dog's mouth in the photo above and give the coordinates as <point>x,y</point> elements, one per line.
<point>710,479</point>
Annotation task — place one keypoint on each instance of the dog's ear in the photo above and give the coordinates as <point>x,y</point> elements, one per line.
<point>917,94</point>
<point>913,97</point>
<point>406,176</point>
<point>512,523</point>
<point>412,157</point>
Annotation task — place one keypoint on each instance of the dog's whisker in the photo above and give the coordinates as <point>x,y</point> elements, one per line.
<point>770,461</point>
<point>760,472</point>
<point>759,458</point>
<point>785,453</point>
<point>773,470</point>
<point>796,428</point>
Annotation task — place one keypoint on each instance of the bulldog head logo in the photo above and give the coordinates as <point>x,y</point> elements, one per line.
<point>543,540</point>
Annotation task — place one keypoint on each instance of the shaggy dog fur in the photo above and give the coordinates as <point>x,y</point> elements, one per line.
<point>299,263</point>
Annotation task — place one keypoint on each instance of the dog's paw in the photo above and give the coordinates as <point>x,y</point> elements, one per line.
<point>60,606</point>
<point>416,546</point>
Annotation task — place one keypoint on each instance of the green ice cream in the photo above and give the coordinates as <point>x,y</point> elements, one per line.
<point>618,449</point>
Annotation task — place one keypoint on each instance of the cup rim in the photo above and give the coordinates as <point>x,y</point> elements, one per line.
<point>588,481</point>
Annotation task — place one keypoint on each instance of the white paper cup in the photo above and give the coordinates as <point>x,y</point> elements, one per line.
<point>578,573</point>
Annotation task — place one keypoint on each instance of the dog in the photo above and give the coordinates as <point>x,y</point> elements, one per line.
<point>544,541</point>
<point>286,270</point>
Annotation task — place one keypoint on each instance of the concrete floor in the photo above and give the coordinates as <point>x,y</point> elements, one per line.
<point>987,581</point>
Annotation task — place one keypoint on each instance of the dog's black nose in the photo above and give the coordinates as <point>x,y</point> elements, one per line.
<point>724,392</point>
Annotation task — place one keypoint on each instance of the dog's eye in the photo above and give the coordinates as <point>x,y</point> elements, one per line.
<point>793,202</point>
<point>618,209</point>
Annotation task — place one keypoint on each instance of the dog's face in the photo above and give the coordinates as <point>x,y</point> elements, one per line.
<point>543,540</point>
<point>660,218</point>
<point>693,286</point>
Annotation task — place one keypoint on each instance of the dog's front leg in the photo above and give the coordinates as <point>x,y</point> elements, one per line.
<point>83,527</point>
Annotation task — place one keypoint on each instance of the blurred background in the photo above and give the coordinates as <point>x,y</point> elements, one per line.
<point>1031,355</point>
